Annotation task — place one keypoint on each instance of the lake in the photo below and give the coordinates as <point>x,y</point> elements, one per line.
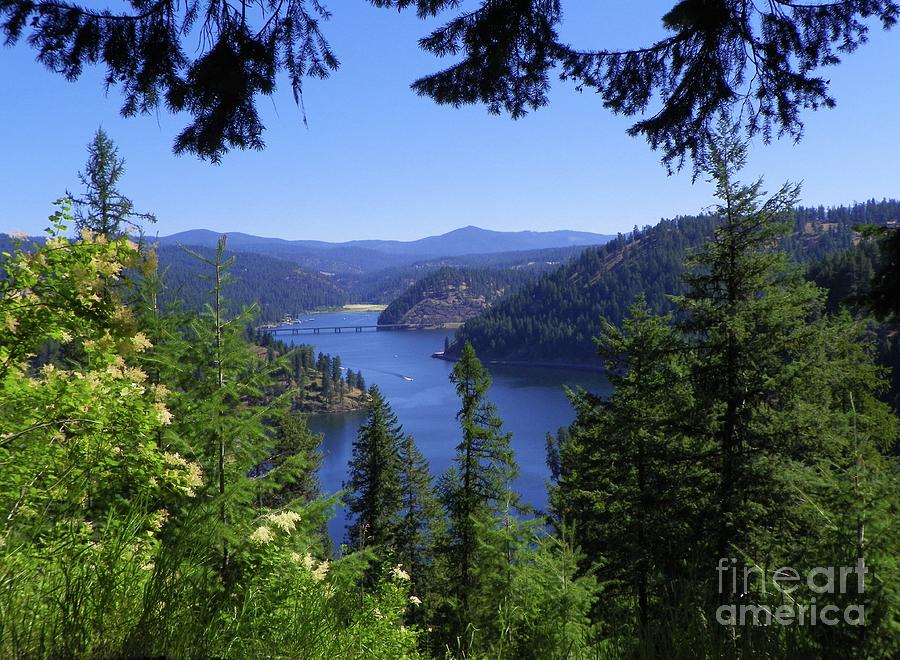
<point>531,401</point>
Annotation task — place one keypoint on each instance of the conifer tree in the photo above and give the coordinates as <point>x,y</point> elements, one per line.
<point>418,517</point>
<point>476,491</point>
<point>749,432</point>
<point>327,388</point>
<point>849,494</point>
<point>219,418</point>
<point>292,465</point>
<point>547,611</point>
<point>323,364</point>
<point>102,208</point>
<point>747,314</point>
<point>624,479</point>
<point>779,388</point>
<point>374,478</point>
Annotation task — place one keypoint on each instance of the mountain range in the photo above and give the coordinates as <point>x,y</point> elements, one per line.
<point>370,255</point>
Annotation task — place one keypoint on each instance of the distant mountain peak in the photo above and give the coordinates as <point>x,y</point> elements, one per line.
<point>457,242</point>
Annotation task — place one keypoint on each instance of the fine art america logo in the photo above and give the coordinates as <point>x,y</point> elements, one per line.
<point>820,581</point>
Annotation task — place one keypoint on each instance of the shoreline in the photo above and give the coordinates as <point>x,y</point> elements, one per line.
<point>539,364</point>
<point>362,307</point>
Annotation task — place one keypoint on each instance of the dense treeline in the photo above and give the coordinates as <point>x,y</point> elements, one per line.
<point>743,445</point>
<point>820,231</point>
<point>554,317</point>
<point>277,287</point>
<point>368,275</point>
<point>741,465</point>
<point>847,275</point>
<point>485,285</point>
<point>318,382</point>
<point>733,497</point>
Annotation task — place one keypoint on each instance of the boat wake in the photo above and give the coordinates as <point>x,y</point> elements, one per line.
<point>391,373</point>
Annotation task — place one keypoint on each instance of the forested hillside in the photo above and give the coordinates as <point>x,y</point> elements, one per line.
<point>385,285</point>
<point>314,383</point>
<point>161,498</point>
<point>847,276</point>
<point>278,287</point>
<point>555,317</point>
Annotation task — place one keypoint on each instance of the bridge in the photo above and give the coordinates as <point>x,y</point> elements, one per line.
<point>315,330</point>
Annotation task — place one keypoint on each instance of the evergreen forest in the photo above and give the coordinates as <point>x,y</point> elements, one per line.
<point>160,495</point>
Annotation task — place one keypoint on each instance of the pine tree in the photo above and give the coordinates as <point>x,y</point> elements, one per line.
<point>217,415</point>
<point>624,481</point>
<point>779,388</point>
<point>374,479</point>
<point>850,495</point>
<point>291,468</point>
<point>323,365</point>
<point>103,209</point>
<point>476,492</point>
<point>749,430</point>
<point>327,388</point>
<point>747,315</point>
<point>547,613</point>
<point>418,517</point>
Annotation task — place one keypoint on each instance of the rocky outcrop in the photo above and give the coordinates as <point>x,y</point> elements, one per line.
<point>455,303</point>
<point>451,296</point>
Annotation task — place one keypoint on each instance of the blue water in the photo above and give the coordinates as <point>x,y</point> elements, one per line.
<point>530,400</point>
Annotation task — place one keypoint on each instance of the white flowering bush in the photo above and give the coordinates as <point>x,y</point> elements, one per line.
<point>114,541</point>
<point>83,485</point>
<point>293,604</point>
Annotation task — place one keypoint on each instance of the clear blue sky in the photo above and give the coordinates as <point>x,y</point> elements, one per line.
<point>379,162</point>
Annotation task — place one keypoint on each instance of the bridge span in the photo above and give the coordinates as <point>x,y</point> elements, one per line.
<point>315,330</point>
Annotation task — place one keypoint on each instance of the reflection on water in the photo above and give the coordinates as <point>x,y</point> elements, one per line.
<point>530,401</point>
